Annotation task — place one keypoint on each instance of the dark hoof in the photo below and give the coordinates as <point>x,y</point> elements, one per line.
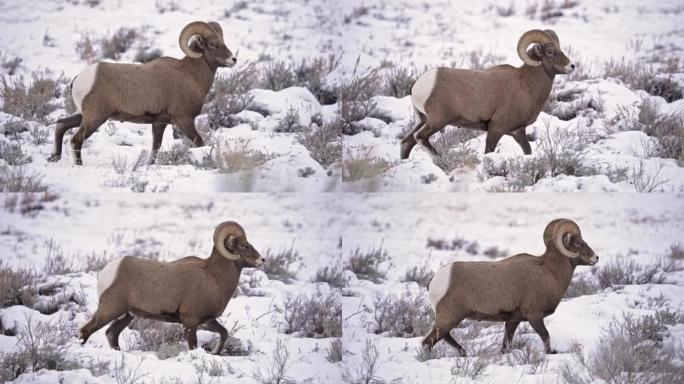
<point>78,162</point>
<point>551,352</point>
<point>54,158</point>
<point>213,351</point>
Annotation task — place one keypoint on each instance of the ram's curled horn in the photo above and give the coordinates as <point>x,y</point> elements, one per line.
<point>218,29</point>
<point>224,230</point>
<point>555,234</point>
<point>549,231</point>
<point>533,36</point>
<point>554,36</point>
<point>195,28</point>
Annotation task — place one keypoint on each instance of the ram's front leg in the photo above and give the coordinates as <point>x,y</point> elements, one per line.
<point>494,133</point>
<point>538,325</point>
<point>191,337</point>
<point>187,125</point>
<point>520,137</point>
<point>157,136</point>
<point>214,326</point>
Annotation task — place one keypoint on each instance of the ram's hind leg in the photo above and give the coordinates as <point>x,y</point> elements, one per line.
<point>408,142</point>
<point>451,341</point>
<point>63,125</point>
<point>440,330</point>
<point>115,330</point>
<point>422,136</point>
<point>103,316</point>
<point>89,124</point>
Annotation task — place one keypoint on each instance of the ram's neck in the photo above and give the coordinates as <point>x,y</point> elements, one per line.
<point>201,71</point>
<point>540,82</point>
<point>226,272</point>
<point>560,267</point>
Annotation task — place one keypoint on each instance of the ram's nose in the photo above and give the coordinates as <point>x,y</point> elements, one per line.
<point>594,260</point>
<point>230,62</point>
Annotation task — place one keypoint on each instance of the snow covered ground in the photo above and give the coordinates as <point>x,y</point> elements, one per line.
<point>409,227</point>
<point>411,230</point>
<point>605,98</point>
<point>308,122</point>
<point>44,36</point>
<point>596,35</point>
<point>112,225</point>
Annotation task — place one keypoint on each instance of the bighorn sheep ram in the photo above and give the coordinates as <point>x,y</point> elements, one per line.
<point>501,100</point>
<point>519,288</point>
<point>162,91</point>
<point>190,291</point>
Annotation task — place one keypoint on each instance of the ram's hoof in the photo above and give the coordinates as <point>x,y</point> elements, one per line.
<point>54,158</point>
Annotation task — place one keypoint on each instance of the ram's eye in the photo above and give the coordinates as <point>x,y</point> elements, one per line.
<point>550,51</point>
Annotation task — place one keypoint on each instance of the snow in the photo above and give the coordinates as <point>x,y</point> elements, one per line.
<point>177,226</point>
<point>612,149</point>
<point>641,227</point>
<point>96,211</point>
<point>364,35</point>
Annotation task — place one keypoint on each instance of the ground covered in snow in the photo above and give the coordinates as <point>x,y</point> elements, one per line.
<point>308,122</point>
<point>594,134</point>
<point>318,100</point>
<point>256,130</point>
<point>101,227</point>
<point>385,306</point>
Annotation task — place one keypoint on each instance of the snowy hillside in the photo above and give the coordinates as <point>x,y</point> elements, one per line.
<point>57,269</point>
<point>301,147</point>
<point>615,124</point>
<point>263,129</point>
<point>386,312</point>
<point>318,99</point>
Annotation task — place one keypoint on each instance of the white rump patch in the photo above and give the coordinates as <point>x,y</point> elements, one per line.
<point>439,285</point>
<point>83,84</point>
<point>106,277</point>
<point>422,89</point>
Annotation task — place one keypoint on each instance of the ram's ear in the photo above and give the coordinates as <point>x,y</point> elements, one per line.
<point>231,243</point>
<point>568,241</point>
<point>198,44</point>
<point>535,52</point>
